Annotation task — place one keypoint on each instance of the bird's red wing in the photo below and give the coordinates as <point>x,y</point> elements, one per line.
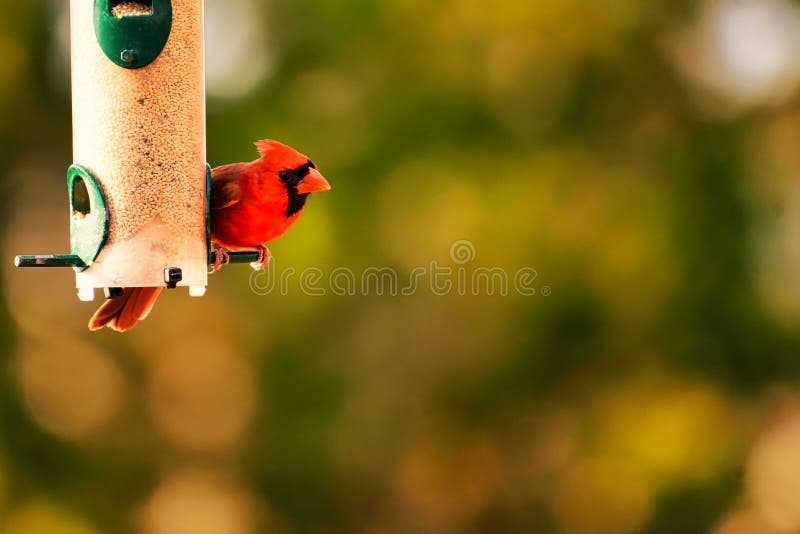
<point>225,187</point>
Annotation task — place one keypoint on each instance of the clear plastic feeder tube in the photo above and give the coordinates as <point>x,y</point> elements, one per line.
<point>141,133</point>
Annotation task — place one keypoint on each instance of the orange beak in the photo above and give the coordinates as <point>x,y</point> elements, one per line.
<point>313,182</point>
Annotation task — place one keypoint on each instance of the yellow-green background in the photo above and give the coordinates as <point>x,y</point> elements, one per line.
<point>653,390</point>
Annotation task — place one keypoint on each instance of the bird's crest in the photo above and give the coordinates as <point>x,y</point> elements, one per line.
<point>280,155</point>
<point>267,147</point>
<point>273,149</point>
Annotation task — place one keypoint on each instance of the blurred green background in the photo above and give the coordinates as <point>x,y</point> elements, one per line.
<point>642,157</point>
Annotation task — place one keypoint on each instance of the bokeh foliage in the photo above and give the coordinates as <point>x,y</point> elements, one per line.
<point>552,134</point>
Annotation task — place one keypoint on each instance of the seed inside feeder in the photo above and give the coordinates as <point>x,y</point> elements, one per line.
<point>129,9</point>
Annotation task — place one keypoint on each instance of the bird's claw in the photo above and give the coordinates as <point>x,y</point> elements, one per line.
<point>264,256</point>
<point>221,257</point>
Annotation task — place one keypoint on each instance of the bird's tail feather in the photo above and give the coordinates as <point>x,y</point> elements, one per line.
<point>122,313</point>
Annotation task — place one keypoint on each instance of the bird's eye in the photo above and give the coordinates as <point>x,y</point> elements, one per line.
<point>285,176</point>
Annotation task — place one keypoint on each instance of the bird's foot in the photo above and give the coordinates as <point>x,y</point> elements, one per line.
<point>264,256</point>
<point>221,258</point>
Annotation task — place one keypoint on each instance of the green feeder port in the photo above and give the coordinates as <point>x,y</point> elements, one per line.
<point>89,219</point>
<point>135,40</point>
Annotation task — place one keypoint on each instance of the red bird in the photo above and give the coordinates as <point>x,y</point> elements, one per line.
<point>251,204</point>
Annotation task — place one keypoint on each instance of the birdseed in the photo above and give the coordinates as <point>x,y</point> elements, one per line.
<point>127,9</point>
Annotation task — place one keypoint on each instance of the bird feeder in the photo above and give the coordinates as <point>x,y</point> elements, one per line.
<point>139,187</point>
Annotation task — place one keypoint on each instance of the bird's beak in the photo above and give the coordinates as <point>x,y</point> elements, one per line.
<point>313,182</point>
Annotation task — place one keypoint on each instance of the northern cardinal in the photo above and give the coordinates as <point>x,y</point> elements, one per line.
<point>251,204</point>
